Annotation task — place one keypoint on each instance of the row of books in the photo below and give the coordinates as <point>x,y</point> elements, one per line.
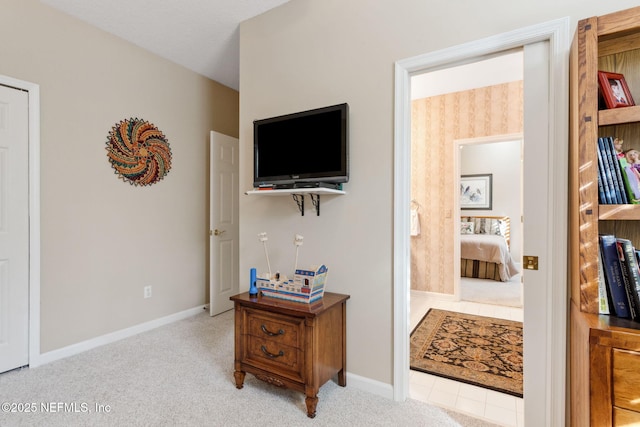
<point>619,282</point>
<point>618,180</point>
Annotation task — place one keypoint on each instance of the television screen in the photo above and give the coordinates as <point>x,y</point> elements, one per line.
<point>302,148</point>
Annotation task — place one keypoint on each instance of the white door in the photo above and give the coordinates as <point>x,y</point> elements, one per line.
<point>14,229</point>
<point>223,222</point>
<point>536,223</point>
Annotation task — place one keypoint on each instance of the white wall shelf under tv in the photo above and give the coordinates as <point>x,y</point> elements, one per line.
<point>298,195</point>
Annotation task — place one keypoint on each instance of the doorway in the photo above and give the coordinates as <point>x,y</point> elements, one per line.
<point>502,156</point>
<point>14,229</point>
<point>471,106</point>
<point>546,403</point>
<point>467,131</point>
<point>223,222</point>
<point>30,233</point>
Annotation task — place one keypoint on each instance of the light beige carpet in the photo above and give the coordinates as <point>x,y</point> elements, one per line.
<point>491,291</point>
<point>182,375</point>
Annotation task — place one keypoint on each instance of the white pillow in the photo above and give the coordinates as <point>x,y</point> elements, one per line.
<point>466,227</point>
<point>482,225</point>
<point>490,226</point>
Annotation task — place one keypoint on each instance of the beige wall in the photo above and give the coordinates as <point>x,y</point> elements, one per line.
<point>102,238</point>
<point>437,122</point>
<point>310,53</point>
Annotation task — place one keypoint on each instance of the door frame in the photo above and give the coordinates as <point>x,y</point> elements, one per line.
<point>33,91</point>
<point>556,32</point>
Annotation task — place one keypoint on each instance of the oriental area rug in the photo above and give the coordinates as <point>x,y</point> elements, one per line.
<point>478,350</point>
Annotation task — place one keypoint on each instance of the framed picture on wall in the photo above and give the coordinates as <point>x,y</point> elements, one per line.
<point>476,191</point>
<point>614,90</point>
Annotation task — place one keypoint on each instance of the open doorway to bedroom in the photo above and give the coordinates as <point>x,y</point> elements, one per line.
<point>464,121</point>
<point>545,132</point>
<point>490,264</point>
<point>468,120</point>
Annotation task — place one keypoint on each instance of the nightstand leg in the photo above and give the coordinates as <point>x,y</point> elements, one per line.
<point>239,376</point>
<point>342,378</point>
<point>312,402</point>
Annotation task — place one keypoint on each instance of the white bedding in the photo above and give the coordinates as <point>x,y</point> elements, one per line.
<point>489,248</point>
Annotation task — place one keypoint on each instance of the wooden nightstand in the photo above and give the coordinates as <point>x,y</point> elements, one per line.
<point>294,345</point>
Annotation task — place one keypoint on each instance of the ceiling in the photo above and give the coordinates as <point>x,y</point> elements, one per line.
<point>201,35</point>
<point>501,68</point>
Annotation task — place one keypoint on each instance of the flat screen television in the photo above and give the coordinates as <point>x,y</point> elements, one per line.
<point>304,149</point>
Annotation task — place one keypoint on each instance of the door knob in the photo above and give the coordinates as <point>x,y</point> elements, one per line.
<point>217,232</point>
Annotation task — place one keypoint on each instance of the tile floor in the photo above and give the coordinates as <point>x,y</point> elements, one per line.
<point>499,408</point>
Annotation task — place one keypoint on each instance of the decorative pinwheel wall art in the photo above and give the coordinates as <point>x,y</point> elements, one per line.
<point>139,153</point>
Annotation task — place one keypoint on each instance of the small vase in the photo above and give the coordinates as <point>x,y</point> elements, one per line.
<point>253,289</point>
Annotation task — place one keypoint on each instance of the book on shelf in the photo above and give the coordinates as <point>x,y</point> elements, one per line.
<point>618,173</point>
<point>630,275</point>
<point>613,164</point>
<point>621,192</point>
<point>630,172</point>
<point>612,191</point>
<point>603,295</point>
<point>619,303</point>
<point>604,192</point>
<point>631,182</point>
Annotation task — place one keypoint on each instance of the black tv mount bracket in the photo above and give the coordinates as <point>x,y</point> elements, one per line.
<point>299,199</point>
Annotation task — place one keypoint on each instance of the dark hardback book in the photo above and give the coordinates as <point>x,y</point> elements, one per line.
<point>613,275</point>
<point>614,165</point>
<point>603,186</point>
<point>608,163</point>
<point>617,171</point>
<point>629,267</point>
<point>607,177</point>
<point>604,295</point>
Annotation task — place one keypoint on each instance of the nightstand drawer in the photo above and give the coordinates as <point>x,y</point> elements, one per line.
<point>626,377</point>
<point>279,329</point>
<point>269,355</point>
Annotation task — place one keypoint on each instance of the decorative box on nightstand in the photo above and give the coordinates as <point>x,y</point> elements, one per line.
<point>294,345</point>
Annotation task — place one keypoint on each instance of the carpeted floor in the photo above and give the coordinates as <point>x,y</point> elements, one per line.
<point>486,291</point>
<point>182,375</point>
<point>478,350</point>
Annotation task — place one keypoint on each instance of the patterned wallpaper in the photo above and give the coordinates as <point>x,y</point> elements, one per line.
<point>436,122</point>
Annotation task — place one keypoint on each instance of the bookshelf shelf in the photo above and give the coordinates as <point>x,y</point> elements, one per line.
<point>618,116</point>
<point>619,212</point>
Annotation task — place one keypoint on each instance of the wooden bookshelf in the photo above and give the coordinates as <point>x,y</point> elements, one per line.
<point>605,350</point>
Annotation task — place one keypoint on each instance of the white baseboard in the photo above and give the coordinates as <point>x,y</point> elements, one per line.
<point>353,380</point>
<point>434,295</point>
<point>369,385</point>
<point>92,343</point>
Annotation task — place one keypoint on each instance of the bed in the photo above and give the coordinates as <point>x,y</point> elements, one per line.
<point>484,248</point>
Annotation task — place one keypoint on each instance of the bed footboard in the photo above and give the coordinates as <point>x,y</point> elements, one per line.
<point>479,269</point>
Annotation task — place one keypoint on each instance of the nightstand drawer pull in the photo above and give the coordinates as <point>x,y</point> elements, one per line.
<point>271,355</point>
<point>271,334</point>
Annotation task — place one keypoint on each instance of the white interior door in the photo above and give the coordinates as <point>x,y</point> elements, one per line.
<point>14,229</point>
<point>223,223</point>
<point>536,176</point>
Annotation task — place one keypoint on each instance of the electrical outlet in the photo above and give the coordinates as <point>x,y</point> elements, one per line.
<point>147,291</point>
